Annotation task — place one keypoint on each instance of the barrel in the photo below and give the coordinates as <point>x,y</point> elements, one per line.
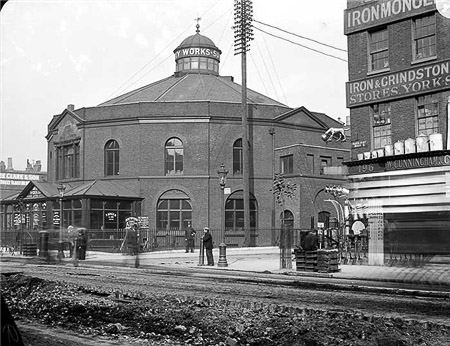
<point>30,249</point>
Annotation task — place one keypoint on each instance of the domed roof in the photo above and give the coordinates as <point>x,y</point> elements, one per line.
<point>197,40</point>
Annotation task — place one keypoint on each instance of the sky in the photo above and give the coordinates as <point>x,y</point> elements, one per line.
<point>83,52</point>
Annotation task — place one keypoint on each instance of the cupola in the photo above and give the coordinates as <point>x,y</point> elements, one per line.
<point>197,54</point>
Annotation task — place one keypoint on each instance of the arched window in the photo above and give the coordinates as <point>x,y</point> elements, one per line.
<point>288,219</point>
<point>174,157</point>
<point>234,211</point>
<point>174,210</point>
<point>111,158</point>
<point>237,157</point>
<point>324,217</point>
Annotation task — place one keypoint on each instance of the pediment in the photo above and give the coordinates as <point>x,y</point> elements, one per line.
<point>301,117</point>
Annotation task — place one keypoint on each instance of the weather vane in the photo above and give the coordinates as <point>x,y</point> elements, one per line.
<point>198,25</point>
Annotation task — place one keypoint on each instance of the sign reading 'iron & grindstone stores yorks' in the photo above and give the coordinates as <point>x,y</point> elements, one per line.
<point>399,84</point>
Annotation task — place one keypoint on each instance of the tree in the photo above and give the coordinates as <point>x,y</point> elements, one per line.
<point>283,189</point>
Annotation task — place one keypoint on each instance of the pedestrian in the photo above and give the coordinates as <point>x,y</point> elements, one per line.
<point>208,245</point>
<point>81,243</point>
<point>189,235</point>
<point>72,235</point>
<point>310,242</point>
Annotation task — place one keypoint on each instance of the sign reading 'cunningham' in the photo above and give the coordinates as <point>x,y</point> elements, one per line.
<point>383,11</point>
<point>399,84</point>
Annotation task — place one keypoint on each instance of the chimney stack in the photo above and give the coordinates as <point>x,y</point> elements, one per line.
<point>10,165</point>
<point>71,107</point>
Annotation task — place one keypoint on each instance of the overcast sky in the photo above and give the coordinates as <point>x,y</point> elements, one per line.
<point>60,52</point>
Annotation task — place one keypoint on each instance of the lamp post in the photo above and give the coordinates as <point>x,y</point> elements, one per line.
<point>222,172</point>
<point>22,217</point>
<point>61,189</point>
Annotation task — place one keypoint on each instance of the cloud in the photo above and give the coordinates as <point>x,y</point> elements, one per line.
<point>124,25</point>
<point>141,40</point>
<point>80,62</point>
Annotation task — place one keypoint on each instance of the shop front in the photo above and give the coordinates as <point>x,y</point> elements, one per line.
<point>100,206</point>
<point>403,202</point>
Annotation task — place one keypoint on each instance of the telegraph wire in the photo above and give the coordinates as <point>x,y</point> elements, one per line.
<point>298,44</point>
<point>303,37</point>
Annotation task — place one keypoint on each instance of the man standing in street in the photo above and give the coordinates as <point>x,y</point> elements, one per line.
<point>208,245</point>
<point>189,235</point>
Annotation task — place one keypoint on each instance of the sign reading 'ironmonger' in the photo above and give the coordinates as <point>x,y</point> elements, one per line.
<point>399,84</point>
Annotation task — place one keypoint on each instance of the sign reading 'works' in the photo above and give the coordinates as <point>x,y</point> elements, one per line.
<point>399,84</point>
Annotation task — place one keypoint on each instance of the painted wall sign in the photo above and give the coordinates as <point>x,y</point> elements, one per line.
<point>399,84</point>
<point>197,51</point>
<point>35,193</point>
<point>17,178</point>
<point>382,12</point>
<point>359,144</point>
<point>399,164</point>
<point>111,216</point>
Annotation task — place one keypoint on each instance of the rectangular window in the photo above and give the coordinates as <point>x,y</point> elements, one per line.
<point>310,163</point>
<point>68,161</point>
<point>378,50</point>
<point>381,125</point>
<point>427,114</point>
<point>424,37</point>
<point>325,161</point>
<point>287,164</point>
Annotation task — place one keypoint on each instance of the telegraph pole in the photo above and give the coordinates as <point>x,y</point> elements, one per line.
<point>243,34</point>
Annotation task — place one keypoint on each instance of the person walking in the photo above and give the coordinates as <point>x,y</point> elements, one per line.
<point>208,245</point>
<point>189,235</point>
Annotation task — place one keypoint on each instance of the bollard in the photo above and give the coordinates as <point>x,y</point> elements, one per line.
<point>201,256</point>
<point>43,244</point>
<point>222,256</point>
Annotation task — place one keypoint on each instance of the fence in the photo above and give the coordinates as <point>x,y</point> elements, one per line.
<point>110,240</point>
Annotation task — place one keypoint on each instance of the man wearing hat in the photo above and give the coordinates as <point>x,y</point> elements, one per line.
<point>208,245</point>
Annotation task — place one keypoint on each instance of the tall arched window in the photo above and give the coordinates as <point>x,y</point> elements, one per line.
<point>288,219</point>
<point>112,158</point>
<point>174,157</point>
<point>237,157</point>
<point>174,210</point>
<point>234,211</point>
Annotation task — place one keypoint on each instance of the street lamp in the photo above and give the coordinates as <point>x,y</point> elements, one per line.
<point>222,172</point>
<point>61,188</point>
<point>22,217</point>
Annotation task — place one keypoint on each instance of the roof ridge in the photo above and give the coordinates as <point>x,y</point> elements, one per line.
<point>170,88</point>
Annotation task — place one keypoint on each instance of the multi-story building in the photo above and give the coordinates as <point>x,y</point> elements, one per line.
<point>154,152</point>
<point>398,94</point>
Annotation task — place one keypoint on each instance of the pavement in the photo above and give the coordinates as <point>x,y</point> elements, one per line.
<point>435,272</point>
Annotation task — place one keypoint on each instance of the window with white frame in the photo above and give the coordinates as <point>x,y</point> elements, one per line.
<point>174,156</point>
<point>378,50</point>
<point>424,37</point>
<point>427,114</point>
<point>287,164</point>
<point>381,125</point>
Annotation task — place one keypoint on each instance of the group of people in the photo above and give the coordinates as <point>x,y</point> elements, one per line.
<point>206,239</point>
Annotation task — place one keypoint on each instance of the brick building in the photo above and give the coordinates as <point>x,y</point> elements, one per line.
<point>154,152</point>
<point>398,94</point>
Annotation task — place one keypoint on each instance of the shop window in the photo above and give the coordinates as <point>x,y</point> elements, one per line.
<point>424,37</point>
<point>287,164</point>
<point>381,125</point>
<point>174,210</point>
<point>111,158</point>
<point>68,161</point>
<point>234,211</point>
<point>427,114</point>
<point>378,50</point>
<point>237,157</point>
<point>174,157</point>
